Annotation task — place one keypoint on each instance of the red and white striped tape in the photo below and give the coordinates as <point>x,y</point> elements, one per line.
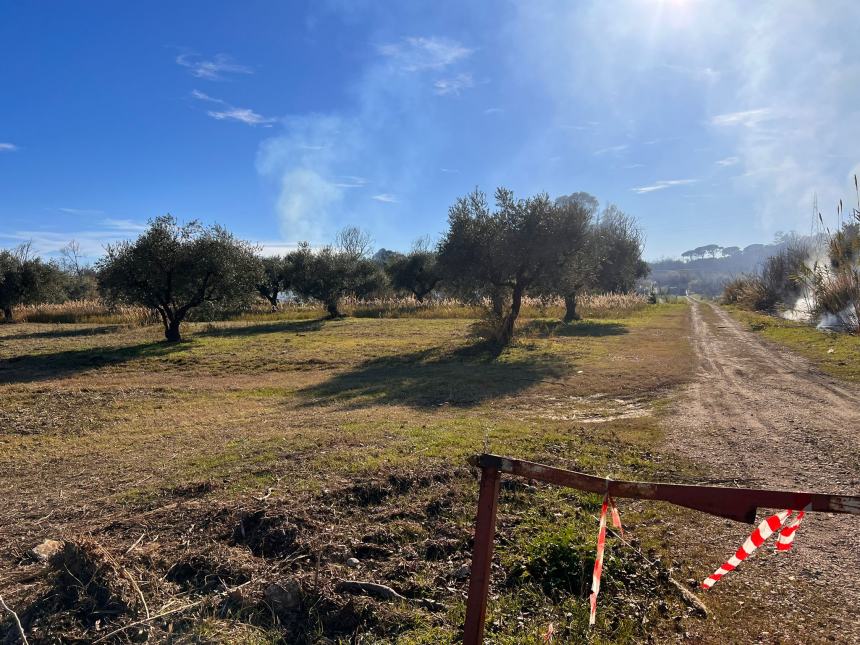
<point>776,522</point>
<point>786,535</point>
<point>601,544</point>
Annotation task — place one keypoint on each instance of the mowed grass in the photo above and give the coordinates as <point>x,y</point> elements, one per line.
<point>97,421</point>
<point>836,353</point>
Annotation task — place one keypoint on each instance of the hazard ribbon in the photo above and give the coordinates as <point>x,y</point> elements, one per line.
<point>608,503</point>
<point>782,522</point>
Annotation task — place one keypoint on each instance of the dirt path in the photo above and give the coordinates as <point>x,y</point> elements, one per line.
<point>768,418</point>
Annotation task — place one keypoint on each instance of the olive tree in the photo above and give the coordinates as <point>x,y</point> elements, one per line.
<point>577,270</point>
<point>173,268</point>
<point>273,279</point>
<point>504,253</point>
<point>606,258</point>
<point>619,242</point>
<point>26,280</point>
<point>329,274</point>
<point>417,272</point>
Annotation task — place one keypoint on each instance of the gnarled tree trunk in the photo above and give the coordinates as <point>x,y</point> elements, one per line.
<point>506,333</point>
<point>7,314</point>
<point>570,313</point>
<point>171,331</point>
<point>332,308</point>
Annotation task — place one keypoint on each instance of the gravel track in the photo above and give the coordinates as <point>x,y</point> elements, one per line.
<point>769,418</point>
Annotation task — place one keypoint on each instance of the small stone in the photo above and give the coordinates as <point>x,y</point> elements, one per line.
<point>284,597</point>
<point>46,550</point>
<point>462,573</point>
<point>353,562</point>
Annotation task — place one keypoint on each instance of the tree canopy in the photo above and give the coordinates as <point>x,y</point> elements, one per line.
<point>25,280</point>
<point>174,268</point>
<point>501,254</point>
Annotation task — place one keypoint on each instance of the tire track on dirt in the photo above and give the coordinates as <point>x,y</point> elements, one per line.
<point>756,411</point>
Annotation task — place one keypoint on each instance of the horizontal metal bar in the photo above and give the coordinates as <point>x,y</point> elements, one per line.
<point>733,503</point>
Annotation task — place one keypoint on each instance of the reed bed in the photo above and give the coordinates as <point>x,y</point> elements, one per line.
<point>611,305</point>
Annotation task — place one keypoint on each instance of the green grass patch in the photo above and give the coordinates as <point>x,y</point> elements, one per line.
<point>836,353</point>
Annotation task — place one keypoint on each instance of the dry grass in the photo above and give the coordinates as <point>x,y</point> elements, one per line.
<point>109,432</point>
<point>613,305</point>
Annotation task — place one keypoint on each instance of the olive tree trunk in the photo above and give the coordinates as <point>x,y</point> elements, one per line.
<point>7,314</point>
<point>570,313</point>
<point>506,332</point>
<point>332,308</point>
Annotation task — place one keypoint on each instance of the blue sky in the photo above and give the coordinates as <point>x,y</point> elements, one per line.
<point>285,121</point>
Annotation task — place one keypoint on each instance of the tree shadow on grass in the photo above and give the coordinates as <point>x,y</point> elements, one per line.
<point>27,368</point>
<point>579,328</point>
<point>433,377</point>
<point>293,326</point>
<point>62,333</point>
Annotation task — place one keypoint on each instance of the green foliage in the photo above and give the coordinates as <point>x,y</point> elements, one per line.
<point>175,268</point>
<point>330,274</point>
<point>26,280</point>
<point>503,254</point>
<point>416,273</point>
<point>274,279</point>
<point>777,284</point>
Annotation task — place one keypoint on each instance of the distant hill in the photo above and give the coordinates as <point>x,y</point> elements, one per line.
<point>706,268</point>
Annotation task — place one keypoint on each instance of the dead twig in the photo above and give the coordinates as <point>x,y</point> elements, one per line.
<point>162,614</point>
<point>266,496</point>
<point>371,589</point>
<point>17,621</point>
<point>127,575</point>
<point>133,546</point>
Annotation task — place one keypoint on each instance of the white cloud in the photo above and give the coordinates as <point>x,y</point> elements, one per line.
<point>662,185</point>
<point>81,211</point>
<point>416,53</point>
<point>493,110</point>
<point>125,225</point>
<point>212,70</point>
<point>243,115</point>
<point>351,181</point>
<point>387,198</point>
<point>92,241</point>
<point>231,112</point>
<point>449,170</point>
<point>728,161</point>
<point>612,150</point>
<point>746,118</point>
<point>453,85</point>
<point>8,147</point>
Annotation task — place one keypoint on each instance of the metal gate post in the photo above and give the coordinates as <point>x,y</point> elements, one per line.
<point>482,554</point>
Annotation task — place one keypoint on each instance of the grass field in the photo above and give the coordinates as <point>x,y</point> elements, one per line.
<point>835,353</point>
<point>263,452</point>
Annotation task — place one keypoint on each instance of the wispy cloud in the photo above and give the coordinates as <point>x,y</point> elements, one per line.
<point>8,147</point>
<point>453,85</point>
<point>449,170</point>
<point>81,211</point>
<point>611,150</point>
<point>92,241</point>
<point>125,225</point>
<point>351,181</point>
<point>231,112</point>
<point>387,198</point>
<point>417,53</point>
<point>728,161</point>
<point>213,69</point>
<point>493,110</point>
<point>662,185</point>
<point>746,118</point>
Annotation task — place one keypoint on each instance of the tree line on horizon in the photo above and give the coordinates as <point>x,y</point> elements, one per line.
<point>496,254</point>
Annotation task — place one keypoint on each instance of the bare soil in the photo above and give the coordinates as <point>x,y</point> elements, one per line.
<point>761,416</point>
